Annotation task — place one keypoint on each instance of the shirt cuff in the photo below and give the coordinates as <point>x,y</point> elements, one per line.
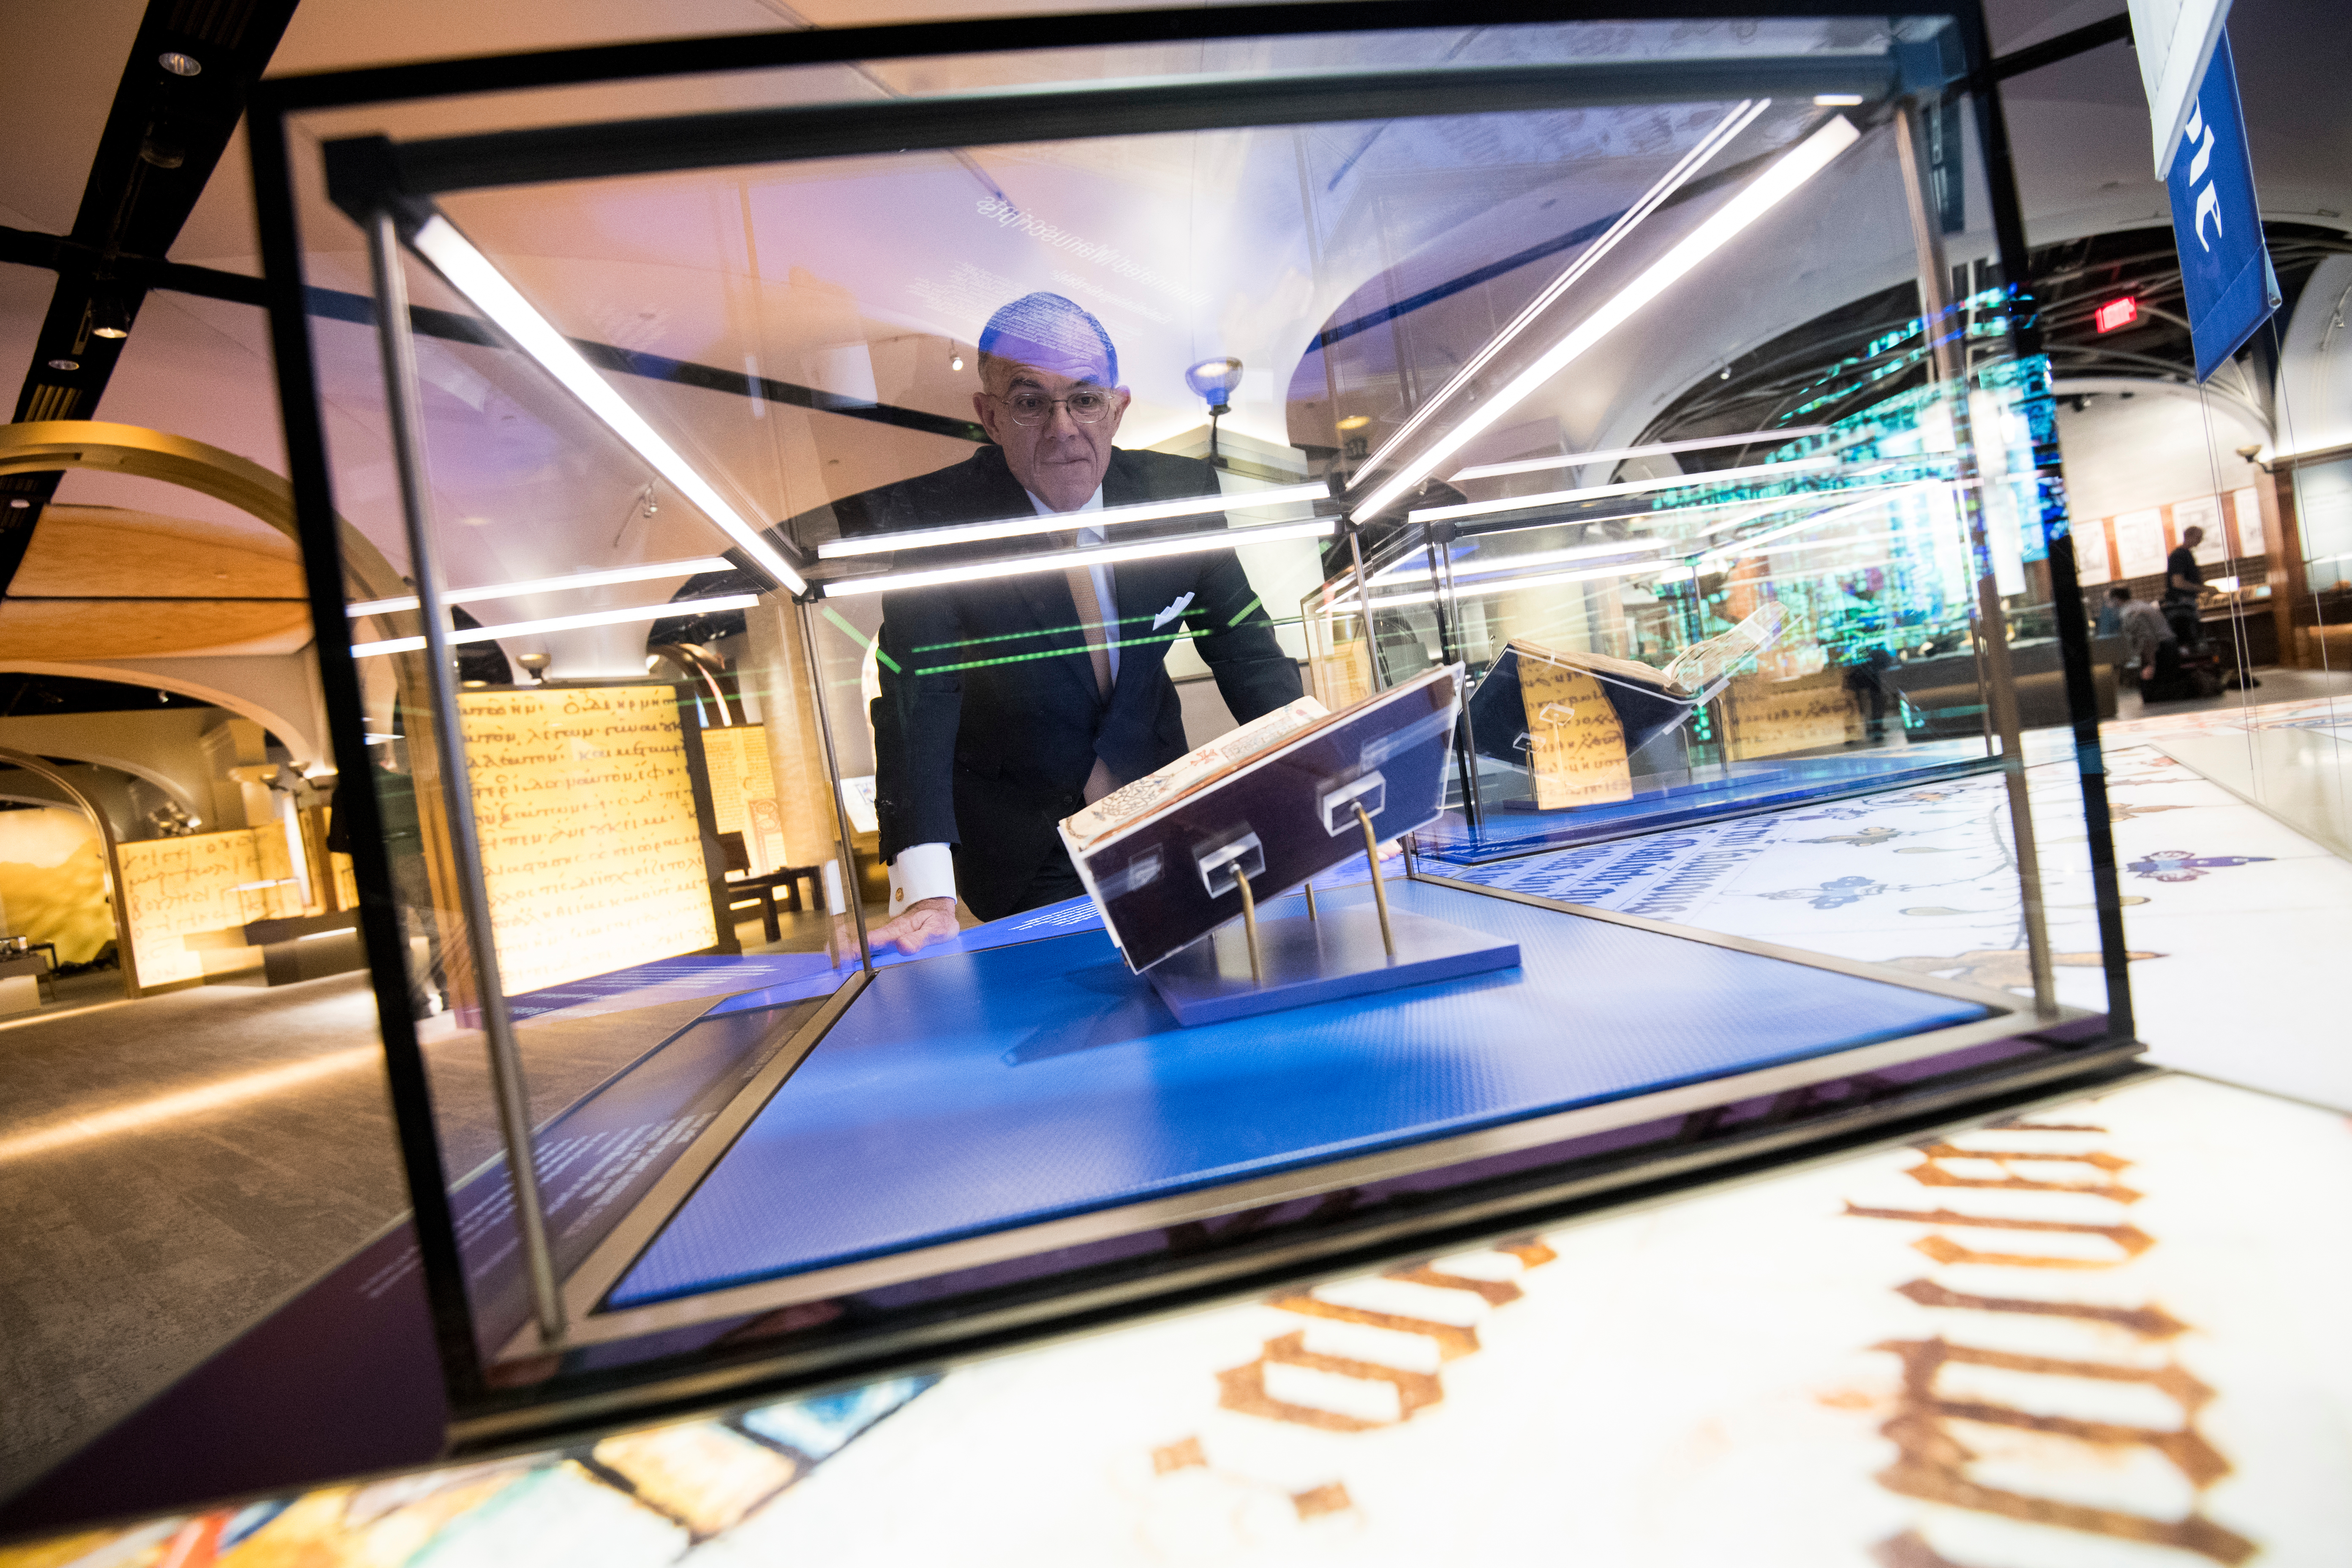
<point>921,871</point>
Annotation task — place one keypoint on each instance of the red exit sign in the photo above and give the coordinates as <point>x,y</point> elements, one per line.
<point>2116,314</point>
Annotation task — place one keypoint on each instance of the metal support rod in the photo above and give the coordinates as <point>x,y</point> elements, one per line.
<point>2021,810</point>
<point>1310,900</point>
<point>1948,368</point>
<point>1364,607</point>
<point>1371,643</point>
<point>405,404</point>
<point>1380,889</point>
<point>1249,927</point>
<point>840,808</point>
<point>1454,646</point>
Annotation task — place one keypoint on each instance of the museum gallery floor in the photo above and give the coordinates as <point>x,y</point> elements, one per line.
<point>2096,1332</point>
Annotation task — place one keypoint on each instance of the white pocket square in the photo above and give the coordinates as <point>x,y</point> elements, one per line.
<point>1171,612</point>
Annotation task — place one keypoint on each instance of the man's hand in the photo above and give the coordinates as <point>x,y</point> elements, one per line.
<point>925,921</point>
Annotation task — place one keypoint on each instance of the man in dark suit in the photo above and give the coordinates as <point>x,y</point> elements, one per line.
<point>1008,703</point>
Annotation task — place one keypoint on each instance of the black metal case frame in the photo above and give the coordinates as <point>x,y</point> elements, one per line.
<point>1251,1248</point>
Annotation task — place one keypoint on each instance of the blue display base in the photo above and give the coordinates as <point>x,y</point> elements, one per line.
<point>980,1090</point>
<point>1341,955</point>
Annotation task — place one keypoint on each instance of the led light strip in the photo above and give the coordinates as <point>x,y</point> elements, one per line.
<point>1397,571</point>
<point>658,569</point>
<point>1630,488</point>
<point>566,622</point>
<point>1743,546</point>
<point>1062,521</point>
<point>1619,454</point>
<point>1666,571</point>
<point>1782,503</point>
<point>1741,116</point>
<point>1508,586</point>
<point>471,274</point>
<point>1103,555</point>
<point>1759,196</point>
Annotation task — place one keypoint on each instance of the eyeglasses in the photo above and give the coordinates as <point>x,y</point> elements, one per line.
<point>1087,405</point>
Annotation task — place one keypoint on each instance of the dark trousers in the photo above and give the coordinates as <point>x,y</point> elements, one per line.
<point>2167,684</point>
<point>1056,879</point>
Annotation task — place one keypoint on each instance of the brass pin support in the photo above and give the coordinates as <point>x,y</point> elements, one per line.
<point>1249,928</point>
<point>1380,892</point>
<point>1310,900</point>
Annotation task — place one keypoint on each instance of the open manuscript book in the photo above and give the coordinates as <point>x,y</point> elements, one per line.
<point>1575,719</point>
<point>1273,802</point>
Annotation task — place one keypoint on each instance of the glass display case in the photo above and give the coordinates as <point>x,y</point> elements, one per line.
<point>796,478</point>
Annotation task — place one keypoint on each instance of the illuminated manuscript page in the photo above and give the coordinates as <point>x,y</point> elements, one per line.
<point>177,888</point>
<point>591,845</point>
<point>1576,747</point>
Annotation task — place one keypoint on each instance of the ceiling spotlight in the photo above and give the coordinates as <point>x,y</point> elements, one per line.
<point>178,64</point>
<point>955,362</point>
<point>1216,379</point>
<point>1355,421</point>
<point>110,319</point>
<point>65,365</point>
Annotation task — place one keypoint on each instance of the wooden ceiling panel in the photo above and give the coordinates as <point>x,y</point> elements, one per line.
<point>110,552</point>
<point>45,629</point>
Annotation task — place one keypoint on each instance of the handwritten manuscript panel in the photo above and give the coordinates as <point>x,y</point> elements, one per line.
<point>591,846</point>
<point>177,888</point>
<point>1768,718</point>
<point>1576,745</point>
<point>743,791</point>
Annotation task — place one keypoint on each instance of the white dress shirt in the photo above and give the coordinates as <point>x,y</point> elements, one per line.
<point>927,870</point>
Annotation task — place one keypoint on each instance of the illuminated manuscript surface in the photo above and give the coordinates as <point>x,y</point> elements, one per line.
<point>2098,1333</point>
<point>1768,718</point>
<point>743,791</point>
<point>177,888</point>
<point>590,844</point>
<point>1576,745</point>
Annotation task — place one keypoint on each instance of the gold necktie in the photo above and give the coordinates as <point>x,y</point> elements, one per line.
<point>1093,627</point>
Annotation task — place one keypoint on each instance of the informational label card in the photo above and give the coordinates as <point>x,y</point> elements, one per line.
<point>2139,543</point>
<point>2093,565</point>
<point>2248,506</point>
<point>591,843</point>
<point>2202,513</point>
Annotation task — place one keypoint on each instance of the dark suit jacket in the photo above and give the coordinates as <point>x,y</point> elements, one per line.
<point>989,719</point>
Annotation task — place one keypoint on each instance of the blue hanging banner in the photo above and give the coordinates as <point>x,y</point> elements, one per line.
<point>2225,268</point>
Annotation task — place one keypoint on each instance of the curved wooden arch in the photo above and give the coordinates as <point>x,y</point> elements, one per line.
<point>47,446</point>
<point>269,716</point>
<point>39,768</point>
